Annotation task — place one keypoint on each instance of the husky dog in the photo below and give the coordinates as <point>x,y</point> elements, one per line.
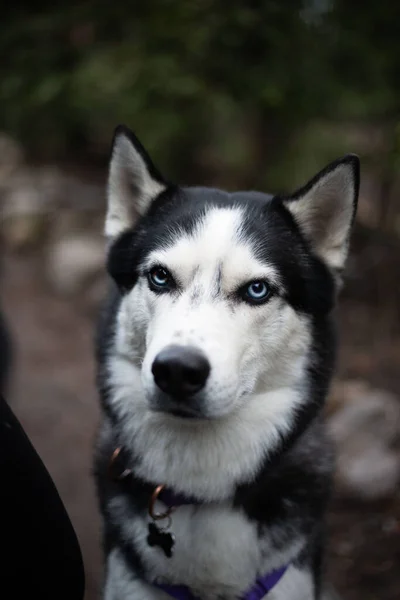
<point>215,353</point>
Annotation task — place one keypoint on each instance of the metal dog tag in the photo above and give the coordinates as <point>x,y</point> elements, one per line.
<point>162,538</point>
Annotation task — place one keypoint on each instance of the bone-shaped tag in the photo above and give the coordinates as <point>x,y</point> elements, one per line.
<point>164,539</point>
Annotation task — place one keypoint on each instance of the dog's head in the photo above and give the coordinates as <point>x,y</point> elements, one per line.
<point>221,292</point>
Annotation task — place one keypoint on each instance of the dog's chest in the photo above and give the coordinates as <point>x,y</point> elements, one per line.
<point>215,547</point>
<point>218,552</point>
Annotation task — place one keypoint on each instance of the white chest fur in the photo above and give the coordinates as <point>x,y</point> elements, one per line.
<point>217,551</point>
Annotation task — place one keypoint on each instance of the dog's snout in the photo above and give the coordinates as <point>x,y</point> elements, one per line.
<point>180,371</point>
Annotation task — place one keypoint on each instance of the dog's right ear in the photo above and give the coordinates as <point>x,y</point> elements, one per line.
<point>133,183</point>
<point>324,210</point>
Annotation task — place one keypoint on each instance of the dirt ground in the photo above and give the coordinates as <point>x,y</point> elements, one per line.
<point>53,394</point>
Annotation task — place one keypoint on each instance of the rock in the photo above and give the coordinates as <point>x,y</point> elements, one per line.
<point>22,232</point>
<point>373,411</point>
<point>27,201</point>
<point>51,183</point>
<point>370,473</point>
<point>75,262</point>
<point>366,429</point>
<point>23,215</point>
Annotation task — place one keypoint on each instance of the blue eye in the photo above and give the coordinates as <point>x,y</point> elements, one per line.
<point>159,278</point>
<point>257,291</point>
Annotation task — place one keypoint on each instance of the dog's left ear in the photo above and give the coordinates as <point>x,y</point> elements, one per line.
<point>133,183</point>
<point>325,208</point>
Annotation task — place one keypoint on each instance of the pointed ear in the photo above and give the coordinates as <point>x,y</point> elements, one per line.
<point>325,208</point>
<point>133,182</point>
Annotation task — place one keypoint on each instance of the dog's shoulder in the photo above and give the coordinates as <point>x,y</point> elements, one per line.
<point>297,483</point>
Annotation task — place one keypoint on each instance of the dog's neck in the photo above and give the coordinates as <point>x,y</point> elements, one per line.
<point>119,471</point>
<point>207,460</point>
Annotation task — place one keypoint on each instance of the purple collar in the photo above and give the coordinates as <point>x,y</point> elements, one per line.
<point>172,499</point>
<point>259,590</point>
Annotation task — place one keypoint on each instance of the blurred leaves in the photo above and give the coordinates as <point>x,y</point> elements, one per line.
<point>215,90</point>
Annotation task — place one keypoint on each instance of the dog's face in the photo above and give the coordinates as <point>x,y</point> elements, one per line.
<point>220,291</point>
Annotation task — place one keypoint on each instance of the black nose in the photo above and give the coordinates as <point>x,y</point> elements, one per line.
<point>180,371</point>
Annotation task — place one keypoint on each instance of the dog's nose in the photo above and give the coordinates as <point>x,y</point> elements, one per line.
<point>180,371</point>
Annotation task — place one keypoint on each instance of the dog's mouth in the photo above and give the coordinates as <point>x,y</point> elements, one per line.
<point>181,408</point>
<point>183,414</point>
<point>187,412</point>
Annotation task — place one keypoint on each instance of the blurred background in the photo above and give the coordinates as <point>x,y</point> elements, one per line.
<point>257,94</point>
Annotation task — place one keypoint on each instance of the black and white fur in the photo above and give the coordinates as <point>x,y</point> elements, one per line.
<point>251,446</point>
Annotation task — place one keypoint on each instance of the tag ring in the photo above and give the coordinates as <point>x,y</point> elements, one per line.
<point>156,516</point>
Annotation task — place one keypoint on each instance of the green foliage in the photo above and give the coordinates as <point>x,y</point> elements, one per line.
<point>226,91</point>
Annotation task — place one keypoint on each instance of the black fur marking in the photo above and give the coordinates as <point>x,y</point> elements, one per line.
<point>133,492</point>
<point>217,282</point>
<point>103,339</point>
<point>308,285</point>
